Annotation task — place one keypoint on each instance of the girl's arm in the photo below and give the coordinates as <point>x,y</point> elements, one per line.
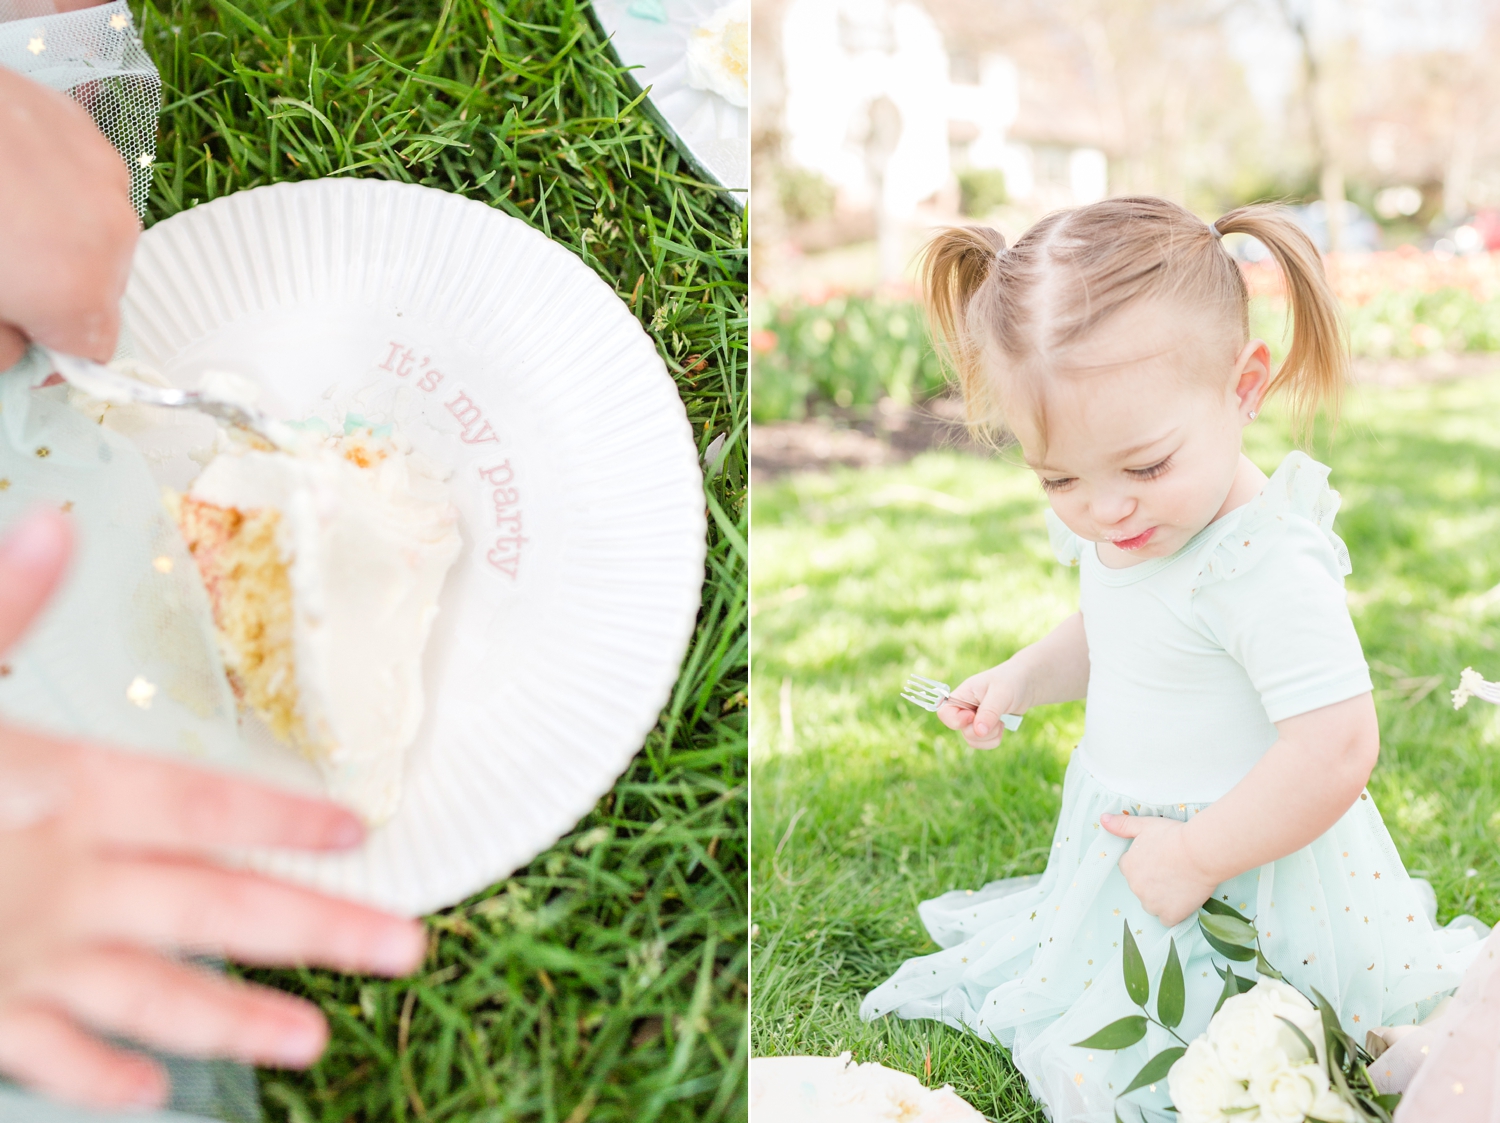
<point>1296,792</point>
<point>1054,669</point>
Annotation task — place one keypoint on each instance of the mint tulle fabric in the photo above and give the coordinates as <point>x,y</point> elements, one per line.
<point>1034,963</point>
<point>125,652</point>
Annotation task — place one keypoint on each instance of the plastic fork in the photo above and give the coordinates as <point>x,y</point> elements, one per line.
<point>100,382</point>
<point>930,694</point>
<point>1472,684</point>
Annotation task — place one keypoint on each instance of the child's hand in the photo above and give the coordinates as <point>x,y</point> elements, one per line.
<point>67,227</point>
<point>998,691</point>
<point>1158,867</point>
<point>107,875</point>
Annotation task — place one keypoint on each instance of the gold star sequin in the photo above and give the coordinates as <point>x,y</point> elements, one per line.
<point>140,692</point>
<point>144,159</point>
<point>36,45</point>
<point>119,21</point>
<point>162,564</point>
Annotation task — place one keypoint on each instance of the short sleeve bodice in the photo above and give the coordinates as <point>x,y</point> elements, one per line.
<point>1194,657</point>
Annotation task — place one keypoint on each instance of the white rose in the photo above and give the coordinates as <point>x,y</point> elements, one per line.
<point>1200,1088</point>
<point>1286,1001</point>
<point>1246,1035</point>
<point>1286,1093</point>
<point>1330,1108</point>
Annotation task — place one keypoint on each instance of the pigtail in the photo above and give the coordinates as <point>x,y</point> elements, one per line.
<point>1316,367</point>
<point>955,265</point>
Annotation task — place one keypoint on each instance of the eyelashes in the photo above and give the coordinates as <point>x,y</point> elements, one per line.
<point>1152,472</point>
<point>1065,482</point>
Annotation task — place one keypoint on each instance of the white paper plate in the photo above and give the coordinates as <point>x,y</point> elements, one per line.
<point>495,350</point>
<point>715,133</point>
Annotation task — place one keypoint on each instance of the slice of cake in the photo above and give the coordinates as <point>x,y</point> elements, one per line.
<point>324,565</point>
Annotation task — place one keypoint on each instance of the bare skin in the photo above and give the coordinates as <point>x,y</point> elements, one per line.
<point>106,879</point>
<point>67,227</point>
<point>1142,451</point>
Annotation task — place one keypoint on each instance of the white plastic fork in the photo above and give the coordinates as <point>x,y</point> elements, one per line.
<point>930,694</point>
<point>107,385</point>
<point>1472,684</point>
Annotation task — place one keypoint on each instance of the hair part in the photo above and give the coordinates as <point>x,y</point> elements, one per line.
<point>1002,318</point>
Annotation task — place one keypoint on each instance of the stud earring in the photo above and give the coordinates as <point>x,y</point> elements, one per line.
<point>1252,415</point>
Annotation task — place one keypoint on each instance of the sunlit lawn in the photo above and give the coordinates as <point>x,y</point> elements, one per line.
<point>864,805</point>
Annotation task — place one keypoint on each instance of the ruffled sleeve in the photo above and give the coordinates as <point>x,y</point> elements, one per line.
<point>1270,591</point>
<point>1298,491</point>
<point>1065,544</point>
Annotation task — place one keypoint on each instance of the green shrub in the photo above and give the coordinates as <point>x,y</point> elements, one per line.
<point>847,351</point>
<point>981,190</point>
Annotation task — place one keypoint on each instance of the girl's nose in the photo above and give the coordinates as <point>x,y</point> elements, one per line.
<point>1111,508</point>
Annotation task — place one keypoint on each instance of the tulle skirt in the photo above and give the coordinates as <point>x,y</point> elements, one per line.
<point>1033,963</point>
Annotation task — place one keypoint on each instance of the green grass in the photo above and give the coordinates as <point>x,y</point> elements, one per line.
<point>864,806</point>
<point>605,981</point>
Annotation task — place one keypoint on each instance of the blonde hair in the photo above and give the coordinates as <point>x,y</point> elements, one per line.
<point>1017,307</point>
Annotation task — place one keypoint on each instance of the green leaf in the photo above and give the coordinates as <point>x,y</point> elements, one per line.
<point>1227,928</point>
<point>1229,991</point>
<point>1117,1035</point>
<point>1312,1051</point>
<point>1245,985</point>
<point>1263,966</point>
<point>1169,996</point>
<point>1137,982</point>
<point>1223,908</point>
<point>1228,951</point>
<point>1155,1069</point>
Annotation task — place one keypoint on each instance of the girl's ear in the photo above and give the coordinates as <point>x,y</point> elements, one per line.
<point>1252,374</point>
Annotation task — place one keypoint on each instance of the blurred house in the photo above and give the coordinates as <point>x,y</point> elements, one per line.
<point>877,103</point>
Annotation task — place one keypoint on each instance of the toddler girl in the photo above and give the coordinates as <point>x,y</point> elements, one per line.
<point>1230,726</point>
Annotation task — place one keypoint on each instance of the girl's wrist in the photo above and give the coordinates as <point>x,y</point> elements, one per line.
<point>1021,669</point>
<point>1199,853</point>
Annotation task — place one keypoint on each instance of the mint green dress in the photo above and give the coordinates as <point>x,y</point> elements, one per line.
<point>1193,658</point>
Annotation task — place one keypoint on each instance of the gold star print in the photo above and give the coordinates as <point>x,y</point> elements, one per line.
<point>1377,875</point>
<point>1407,967</point>
<point>1087,983</point>
<point>144,159</point>
<point>965,959</point>
<point>1346,853</point>
<point>1091,963</point>
<point>4,485</point>
<point>1033,916</point>
<point>36,45</point>
<point>1078,1079</point>
<point>4,670</point>
<point>1410,918</point>
<point>1367,920</point>
<point>66,507</point>
<point>1117,912</point>
<point>119,21</point>
<point>43,452</point>
<point>1356,1017</point>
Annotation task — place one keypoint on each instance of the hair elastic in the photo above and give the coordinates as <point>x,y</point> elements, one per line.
<point>1213,228</point>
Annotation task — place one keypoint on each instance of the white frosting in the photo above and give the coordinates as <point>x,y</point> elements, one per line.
<point>718,54</point>
<point>367,550</point>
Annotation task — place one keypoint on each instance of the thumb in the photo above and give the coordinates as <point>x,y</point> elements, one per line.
<point>1122,826</point>
<point>33,555</point>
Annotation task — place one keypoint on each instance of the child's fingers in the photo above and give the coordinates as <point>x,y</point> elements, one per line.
<point>13,345</point>
<point>1123,826</point>
<point>33,555</point>
<point>134,800</point>
<point>41,1048</point>
<point>955,717</point>
<point>179,1008</point>
<point>201,908</point>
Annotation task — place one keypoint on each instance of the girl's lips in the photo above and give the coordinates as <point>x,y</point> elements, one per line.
<point>1134,543</point>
